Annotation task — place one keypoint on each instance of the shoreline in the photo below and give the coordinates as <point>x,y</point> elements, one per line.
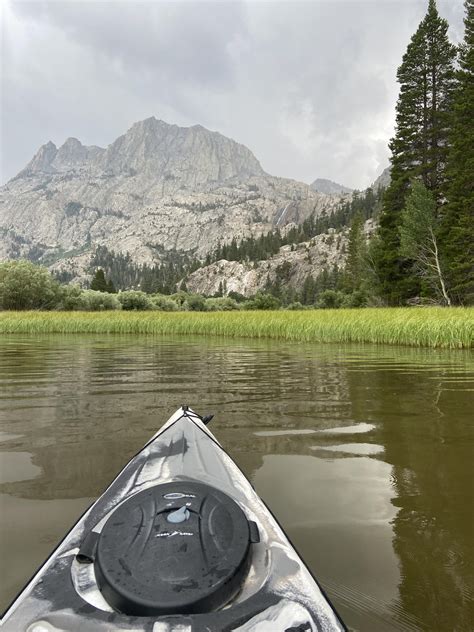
<point>434,327</point>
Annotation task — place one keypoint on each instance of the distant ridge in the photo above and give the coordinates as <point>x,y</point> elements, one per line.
<point>329,187</point>
<point>187,156</point>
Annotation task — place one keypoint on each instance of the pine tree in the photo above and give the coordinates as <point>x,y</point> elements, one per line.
<point>99,283</point>
<point>111,287</point>
<point>426,78</point>
<point>457,223</point>
<point>308,291</point>
<point>356,254</point>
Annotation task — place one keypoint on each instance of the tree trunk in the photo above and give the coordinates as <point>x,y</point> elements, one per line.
<point>438,270</point>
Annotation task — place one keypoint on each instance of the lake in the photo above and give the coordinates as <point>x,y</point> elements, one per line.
<point>365,454</point>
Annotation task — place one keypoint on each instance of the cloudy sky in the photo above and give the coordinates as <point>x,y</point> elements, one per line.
<point>309,87</point>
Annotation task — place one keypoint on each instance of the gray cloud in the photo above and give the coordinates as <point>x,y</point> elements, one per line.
<point>308,86</point>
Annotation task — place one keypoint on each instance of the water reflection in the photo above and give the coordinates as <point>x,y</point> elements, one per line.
<point>363,453</point>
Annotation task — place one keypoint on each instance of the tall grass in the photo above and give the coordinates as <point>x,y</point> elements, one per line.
<point>424,327</point>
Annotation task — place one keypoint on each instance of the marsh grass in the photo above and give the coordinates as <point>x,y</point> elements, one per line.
<point>424,327</point>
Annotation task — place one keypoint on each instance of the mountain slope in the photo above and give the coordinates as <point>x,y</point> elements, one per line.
<point>291,265</point>
<point>329,187</point>
<point>383,180</point>
<point>158,187</point>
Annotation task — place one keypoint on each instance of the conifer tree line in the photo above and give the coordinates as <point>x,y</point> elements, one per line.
<point>425,240</point>
<point>366,203</point>
<point>122,273</point>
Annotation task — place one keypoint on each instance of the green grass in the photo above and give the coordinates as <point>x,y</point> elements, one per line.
<point>423,327</point>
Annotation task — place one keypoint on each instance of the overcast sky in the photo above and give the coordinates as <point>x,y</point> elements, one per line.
<point>309,87</point>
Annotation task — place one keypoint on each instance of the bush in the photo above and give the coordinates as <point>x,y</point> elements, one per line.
<point>223,304</point>
<point>296,305</point>
<point>330,299</point>
<point>134,299</point>
<point>180,299</point>
<point>24,285</point>
<point>71,297</point>
<point>236,296</point>
<point>196,303</point>
<point>163,303</point>
<point>358,298</point>
<point>262,301</point>
<point>94,301</point>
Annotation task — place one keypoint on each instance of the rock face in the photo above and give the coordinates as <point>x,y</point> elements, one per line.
<point>292,264</point>
<point>383,180</point>
<point>329,187</point>
<point>158,187</point>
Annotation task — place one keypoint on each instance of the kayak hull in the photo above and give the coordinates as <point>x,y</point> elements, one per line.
<point>278,592</point>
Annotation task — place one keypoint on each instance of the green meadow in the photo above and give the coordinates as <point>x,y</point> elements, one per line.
<point>422,327</point>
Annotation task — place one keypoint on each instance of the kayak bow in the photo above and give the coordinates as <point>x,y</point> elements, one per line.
<point>179,542</point>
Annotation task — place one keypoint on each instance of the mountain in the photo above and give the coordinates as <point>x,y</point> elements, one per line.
<point>329,187</point>
<point>161,153</point>
<point>383,180</point>
<point>157,188</point>
<point>295,263</point>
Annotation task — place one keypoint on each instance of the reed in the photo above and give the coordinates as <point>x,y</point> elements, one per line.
<point>424,327</point>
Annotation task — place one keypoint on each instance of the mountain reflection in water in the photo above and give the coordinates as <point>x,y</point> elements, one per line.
<point>363,453</point>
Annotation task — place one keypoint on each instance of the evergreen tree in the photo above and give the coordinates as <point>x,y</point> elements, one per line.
<point>356,254</point>
<point>439,88</point>
<point>426,78</point>
<point>111,287</point>
<point>308,291</point>
<point>418,240</point>
<point>99,282</point>
<point>457,222</point>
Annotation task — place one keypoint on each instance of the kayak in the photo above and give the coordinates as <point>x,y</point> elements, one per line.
<point>179,542</point>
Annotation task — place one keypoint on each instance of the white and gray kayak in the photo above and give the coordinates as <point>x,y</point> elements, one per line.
<point>179,542</point>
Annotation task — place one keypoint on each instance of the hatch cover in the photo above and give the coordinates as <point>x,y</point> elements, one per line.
<point>176,548</point>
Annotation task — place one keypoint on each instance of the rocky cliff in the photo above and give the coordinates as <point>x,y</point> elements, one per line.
<point>383,180</point>
<point>329,187</point>
<point>158,187</point>
<point>291,265</point>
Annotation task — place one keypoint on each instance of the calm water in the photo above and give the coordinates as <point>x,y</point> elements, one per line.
<point>365,455</point>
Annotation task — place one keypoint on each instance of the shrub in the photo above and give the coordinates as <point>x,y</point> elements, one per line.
<point>94,301</point>
<point>262,301</point>
<point>358,298</point>
<point>296,305</point>
<point>223,304</point>
<point>71,297</point>
<point>163,303</point>
<point>196,303</point>
<point>180,299</point>
<point>24,285</point>
<point>330,299</point>
<point>134,299</point>
<point>237,296</point>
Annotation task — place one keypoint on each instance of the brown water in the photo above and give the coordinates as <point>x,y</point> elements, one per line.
<point>365,455</point>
